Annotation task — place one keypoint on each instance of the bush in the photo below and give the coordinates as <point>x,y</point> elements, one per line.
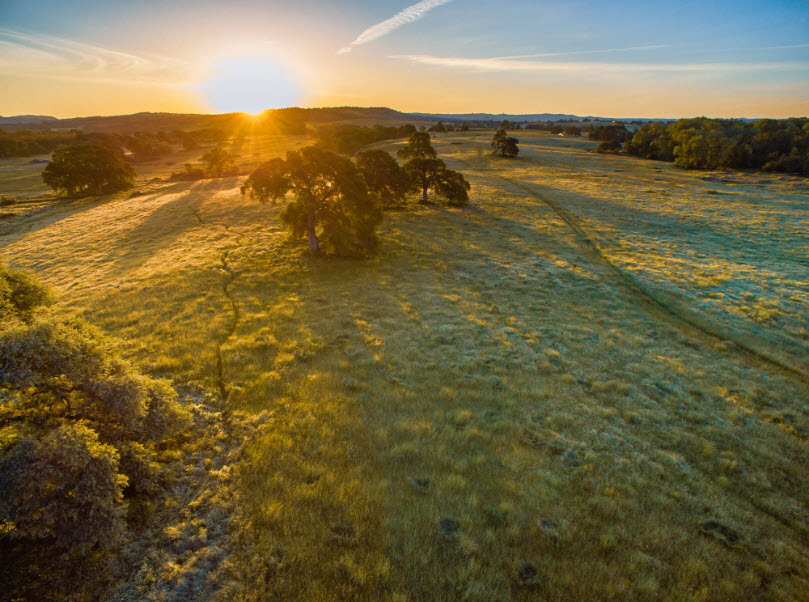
<point>79,423</point>
<point>21,294</point>
<point>64,488</point>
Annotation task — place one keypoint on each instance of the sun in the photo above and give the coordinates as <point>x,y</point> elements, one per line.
<point>250,84</point>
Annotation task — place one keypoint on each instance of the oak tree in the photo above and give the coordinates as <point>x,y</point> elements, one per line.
<point>503,145</point>
<point>330,202</point>
<point>88,168</point>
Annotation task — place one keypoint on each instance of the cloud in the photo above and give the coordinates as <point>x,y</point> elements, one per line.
<point>510,64</point>
<point>403,17</point>
<point>51,56</point>
<point>573,52</point>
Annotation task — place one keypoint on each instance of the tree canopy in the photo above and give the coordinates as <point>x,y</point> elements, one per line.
<point>702,143</point>
<point>383,175</point>
<point>88,168</point>
<point>219,162</point>
<point>503,145</point>
<point>330,206</point>
<point>348,139</point>
<point>79,424</point>
<point>428,172</point>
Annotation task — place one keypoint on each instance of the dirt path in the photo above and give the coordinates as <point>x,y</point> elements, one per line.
<point>658,301</point>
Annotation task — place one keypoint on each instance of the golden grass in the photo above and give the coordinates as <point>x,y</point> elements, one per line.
<point>483,411</point>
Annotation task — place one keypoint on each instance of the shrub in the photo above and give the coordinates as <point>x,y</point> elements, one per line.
<point>79,423</point>
<point>21,294</point>
<point>65,488</point>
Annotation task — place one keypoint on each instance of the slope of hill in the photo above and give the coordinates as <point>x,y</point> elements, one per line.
<point>151,122</point>
<point>508,397</point>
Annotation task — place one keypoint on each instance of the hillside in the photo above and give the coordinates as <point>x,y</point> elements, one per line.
<point>598,369</point>
<point>150,122</point>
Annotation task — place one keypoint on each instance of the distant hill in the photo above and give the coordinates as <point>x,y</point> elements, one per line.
<point>493,117</point>
<point>152,122</point>
<point>533,117</point>
<point>27,120</point>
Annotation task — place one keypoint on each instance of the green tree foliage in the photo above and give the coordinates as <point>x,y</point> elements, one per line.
<point>572,130</point>
<point>331,205</point>
<point>503,145</point>
<point>418,146</point>
<point>88,168</point>
<point>438,127</point>
<point>428,172</point>
<point>146,147</point>
<point>219,162</point>
<point>269,182</point>
<point>612,137</point>
<point>652,141</point>
<point>702,143</point>
<point>21,294</point>
<point>64,487</point>
<point>383,175</point>
<point>78,425</point>
<point>348,139</point>
<point>23,143</point>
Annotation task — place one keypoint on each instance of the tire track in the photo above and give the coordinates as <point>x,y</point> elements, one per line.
<point>657,302</point>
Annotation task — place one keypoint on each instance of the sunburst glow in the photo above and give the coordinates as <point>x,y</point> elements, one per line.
<point>250,84</point>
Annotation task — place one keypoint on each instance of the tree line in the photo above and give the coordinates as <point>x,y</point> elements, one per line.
<point>139,146</point>
<point>348,139</point>
<point>780,145</point>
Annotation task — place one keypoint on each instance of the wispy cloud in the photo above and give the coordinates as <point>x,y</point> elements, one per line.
<point>51,56</point>
<point>576,52</point>
<point>403,17</point>
<point>787,46</point>
<point>510,64</point>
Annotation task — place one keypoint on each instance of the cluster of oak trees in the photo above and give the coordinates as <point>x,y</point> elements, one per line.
<point>337,202</point>
<point>24,143</point>
<point>702,143</point>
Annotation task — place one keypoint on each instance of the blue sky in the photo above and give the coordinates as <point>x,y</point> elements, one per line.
<point>621,58</point>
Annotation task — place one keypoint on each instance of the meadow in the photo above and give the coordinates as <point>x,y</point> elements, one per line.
<point>589,384</point>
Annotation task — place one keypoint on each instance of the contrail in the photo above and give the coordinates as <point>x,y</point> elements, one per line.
<point>403,17</point>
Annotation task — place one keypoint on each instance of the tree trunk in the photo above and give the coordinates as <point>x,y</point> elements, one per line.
<point>314,246</point>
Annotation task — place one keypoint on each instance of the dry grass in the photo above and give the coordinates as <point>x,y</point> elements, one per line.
<point>483,411</point>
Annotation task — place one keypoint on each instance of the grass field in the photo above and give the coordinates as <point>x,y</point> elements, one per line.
<point>587,385</point>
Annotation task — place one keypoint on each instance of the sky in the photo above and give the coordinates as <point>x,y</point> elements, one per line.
<point>622,58</point>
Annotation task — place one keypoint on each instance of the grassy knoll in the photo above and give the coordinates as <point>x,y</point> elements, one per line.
<point>484,410</point>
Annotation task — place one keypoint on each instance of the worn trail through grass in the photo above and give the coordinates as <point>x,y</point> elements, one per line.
<point>675,310</point>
